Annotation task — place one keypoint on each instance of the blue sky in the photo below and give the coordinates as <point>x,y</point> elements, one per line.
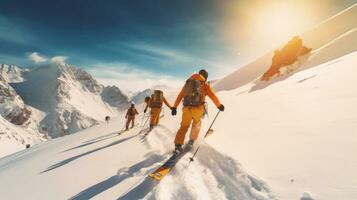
<point>128,42</point>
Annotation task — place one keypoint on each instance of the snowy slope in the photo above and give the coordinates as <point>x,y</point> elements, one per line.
<point>334,37</point>
<point>298,131</point>
<point>298,134</point>
<point>100,164</point>
<point>14,138</point>
<point>70,97</point>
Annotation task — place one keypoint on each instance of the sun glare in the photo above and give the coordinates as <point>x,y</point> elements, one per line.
<point>268,24</point>
<point>280,20</point>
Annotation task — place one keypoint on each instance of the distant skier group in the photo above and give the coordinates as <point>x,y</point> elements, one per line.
<point>192,95</point>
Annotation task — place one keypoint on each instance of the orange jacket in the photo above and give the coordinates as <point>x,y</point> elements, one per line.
<point>207,91</point>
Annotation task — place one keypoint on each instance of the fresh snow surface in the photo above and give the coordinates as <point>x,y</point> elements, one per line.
<point>298,133</point>
<point>100,164</point>
<point>14,138</point>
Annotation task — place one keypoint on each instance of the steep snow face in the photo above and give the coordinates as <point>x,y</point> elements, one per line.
<point>297,133</point>
<point>139,97</point>
<point>70,97</point>
<point>115,97</point>
<point>12,107</point>
<point>333,38</point>
<point>11,73</point>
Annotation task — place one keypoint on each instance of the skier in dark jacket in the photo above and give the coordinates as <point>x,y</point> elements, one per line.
<point>130,116</point>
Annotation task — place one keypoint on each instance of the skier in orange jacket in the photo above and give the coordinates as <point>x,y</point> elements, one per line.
<point>155,103</point>
<point>193,96</point>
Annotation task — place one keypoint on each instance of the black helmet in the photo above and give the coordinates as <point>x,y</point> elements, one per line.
<point>204,73</point>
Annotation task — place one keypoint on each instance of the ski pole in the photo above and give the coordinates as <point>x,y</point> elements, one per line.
<point>142,120</point>
<point>147,119</point>
<point>207,133</point>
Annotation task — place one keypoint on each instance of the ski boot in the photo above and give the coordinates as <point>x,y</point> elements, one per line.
<point>151,127</point>
<point>178,149</point>
<point>190,144</point>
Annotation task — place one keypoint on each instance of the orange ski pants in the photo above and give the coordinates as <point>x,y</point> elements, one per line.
<point>190,115</point>
<point>155,116</point>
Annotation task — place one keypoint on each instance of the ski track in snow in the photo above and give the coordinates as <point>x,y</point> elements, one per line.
<point>211,176</point>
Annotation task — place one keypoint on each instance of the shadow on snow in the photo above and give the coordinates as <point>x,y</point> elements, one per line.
<point>102,138</point>
<point>137,192</point>
<point>64,162</point>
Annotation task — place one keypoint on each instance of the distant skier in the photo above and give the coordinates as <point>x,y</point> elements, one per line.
<point>107,119</point>
<point>130,116</point>
<point>155,103</point>
<point>193,94</point>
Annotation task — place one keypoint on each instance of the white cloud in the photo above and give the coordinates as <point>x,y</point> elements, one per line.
<point>37,58</point>
<point>162,51</point>
<point>129,79</point>
<point>59,59</point>
<point>219,66</point>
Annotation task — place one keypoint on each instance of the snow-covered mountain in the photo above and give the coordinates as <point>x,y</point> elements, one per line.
<point>52,101</point>
<point>12,107</point>
<point>71,98</point>
<point>11,73</point>
<point>18,121</point>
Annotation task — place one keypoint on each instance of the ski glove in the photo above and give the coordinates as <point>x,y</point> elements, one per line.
<point>173,111</point>
<point>221,107</point>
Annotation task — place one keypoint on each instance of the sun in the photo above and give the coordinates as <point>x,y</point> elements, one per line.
<point>250,26</point>
<point>280,20</point>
